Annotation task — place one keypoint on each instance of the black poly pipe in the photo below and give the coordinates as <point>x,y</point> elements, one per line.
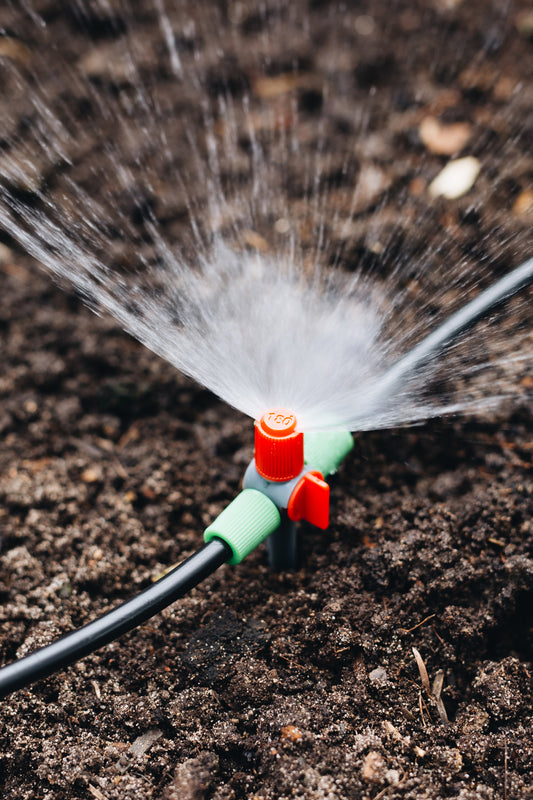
<point>458,323</point>
<point>110,626</point>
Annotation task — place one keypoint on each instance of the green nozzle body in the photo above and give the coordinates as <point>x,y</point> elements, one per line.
<point>325,450</point>
<point>245,523</point>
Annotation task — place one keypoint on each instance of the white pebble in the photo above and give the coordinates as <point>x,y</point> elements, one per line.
<point>378,675</point>
<point>456,179</point>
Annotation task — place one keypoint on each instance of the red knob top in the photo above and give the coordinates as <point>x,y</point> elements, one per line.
<point>279,449</point>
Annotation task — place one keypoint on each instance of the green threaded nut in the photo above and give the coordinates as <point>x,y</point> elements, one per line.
<point>324,450</point>
<point>245,523</point>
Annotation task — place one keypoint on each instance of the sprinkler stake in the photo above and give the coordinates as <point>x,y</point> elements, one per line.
<point>287,472</point>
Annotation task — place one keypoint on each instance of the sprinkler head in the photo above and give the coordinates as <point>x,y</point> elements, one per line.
<point>279,447</point>
<point>279,459</point>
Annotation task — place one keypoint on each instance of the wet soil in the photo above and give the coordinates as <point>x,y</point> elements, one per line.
<point>396,661</point>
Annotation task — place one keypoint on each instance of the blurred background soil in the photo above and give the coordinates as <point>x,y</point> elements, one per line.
<point>263,685</point>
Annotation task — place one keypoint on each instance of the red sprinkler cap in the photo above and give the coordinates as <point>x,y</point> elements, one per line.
<point>279,449</point>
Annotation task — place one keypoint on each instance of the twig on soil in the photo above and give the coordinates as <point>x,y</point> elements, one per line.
<point>121,472</point>
<point>433,692</point>
<point>441,640</point>
<point>291,661</point>
<point>424,677</point>
<point>418,624</point>
<point>420,708</point>
<point>96,792</point>
<point>130,435</point>
<point>395,734</point>
<point>382,793</point>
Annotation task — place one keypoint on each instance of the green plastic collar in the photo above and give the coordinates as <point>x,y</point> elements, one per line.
<point>324,450</point>
<point>245,523</point>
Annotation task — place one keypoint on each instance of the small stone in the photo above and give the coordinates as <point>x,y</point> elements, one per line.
<point>148,492</point>
<point>393,777</point>
<point>291,733</point>
<point>456,179</point>
<point>374,767</point>
<point>6,255</point>
<point>504,88</point>
<point>90,475</point>
<point>255,240</point>
<point>448,5</point>
<point>282,225</point>
<point>268,88</point>
<point>364,25</point>
<point>193,778</point>
<point>372,182</point>
<point>65,589</point>
<point>143,743</point>
<point>378,675</point>
<point>444,140</point>
<point>106,62</point>
<point>15,50</point>
<point>523,205</point>
<point>524,23</point>
<point>96,556</point>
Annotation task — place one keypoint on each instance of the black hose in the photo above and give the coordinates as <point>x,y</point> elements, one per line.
<point>450,330</point>
<point>119,620</point>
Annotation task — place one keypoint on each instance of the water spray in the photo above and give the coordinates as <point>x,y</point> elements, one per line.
<point>283,484</point>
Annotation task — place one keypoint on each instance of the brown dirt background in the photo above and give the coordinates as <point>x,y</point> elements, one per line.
<point>263,685</point>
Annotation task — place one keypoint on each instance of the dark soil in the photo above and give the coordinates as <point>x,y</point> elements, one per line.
<point>263,685</point>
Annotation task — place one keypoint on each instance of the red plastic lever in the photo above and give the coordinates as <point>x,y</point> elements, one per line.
<point>310,500</point>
